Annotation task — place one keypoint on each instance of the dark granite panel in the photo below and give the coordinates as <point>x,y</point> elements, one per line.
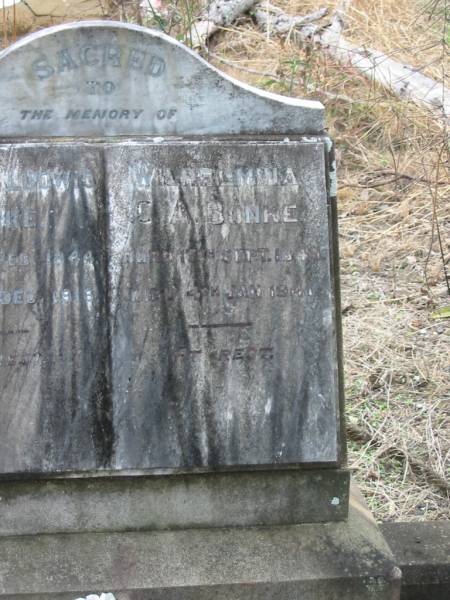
<point>55,349</point>
<point>220,278</point>
<point>166,306</point>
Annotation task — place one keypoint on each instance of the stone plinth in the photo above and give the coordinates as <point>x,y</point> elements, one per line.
<point>173,502</point>
<point>333,561</point>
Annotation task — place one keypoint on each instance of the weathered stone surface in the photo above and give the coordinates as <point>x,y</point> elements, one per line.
<point>422,551</point>
<point>332,561</point>
<point>166,305</point>
<point>172,502</point>
<point>169,310</point>
<point>100,78</point>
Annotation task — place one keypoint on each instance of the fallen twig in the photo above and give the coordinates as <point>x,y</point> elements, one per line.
<point>394,178</point>
<point>403,80</point>
<point>219,13</point>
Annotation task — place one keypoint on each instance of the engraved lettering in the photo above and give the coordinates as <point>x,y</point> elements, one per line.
<point>271,215</point>
<point>283,255</point>
<point>156,67</point>
<point>42,69</point>
<point>10,260</point>
<point>9,219</point>
<point>65,61</point>
<point>137,59</point>
<point>144,211</point>
<point>288,214</point>
<point>289,177</point>
<point>244,353</point>
<point>73,114</point>
<point>99,114</point>
<point>215,213</point>
<point>17,297</point>
<point>19,360</point>
<point>98,88</point>
<point>142,177</point>
<point>96,56</point>
<point>112,56</point>
<point>245,176</point>
<point>238,176</point>
<point>239,354</point>
<point>88,56</point>
<point>66,296</point>
<point>266,353</point>
<point>108,87</point>
<point>29,218</point>
<point>252,214</point>
<point>61,180</point>
<point>113,114</point>
<point>5,297</point>
<point>91,87</point>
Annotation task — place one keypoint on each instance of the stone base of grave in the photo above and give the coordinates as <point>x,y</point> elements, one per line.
<point>333,561</point>
<point>197,500</point>
<point>422,550</point>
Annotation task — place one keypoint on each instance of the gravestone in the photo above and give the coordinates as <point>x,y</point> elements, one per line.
<point>167,303</point>
<point>170,331</point>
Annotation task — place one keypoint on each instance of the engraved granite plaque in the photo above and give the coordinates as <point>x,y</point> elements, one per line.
<point>166,304</point>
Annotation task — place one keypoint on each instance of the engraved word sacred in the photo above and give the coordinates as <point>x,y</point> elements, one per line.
<point>98,56</point>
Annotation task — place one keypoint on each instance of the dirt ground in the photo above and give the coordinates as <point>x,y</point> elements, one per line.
<point>394,207</point>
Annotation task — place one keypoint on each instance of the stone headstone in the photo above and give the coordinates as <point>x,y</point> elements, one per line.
<point>167,303</point>
<point>170,316</point>
<point>97,79</point>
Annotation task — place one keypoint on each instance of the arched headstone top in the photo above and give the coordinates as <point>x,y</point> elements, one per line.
<point>100,78</point>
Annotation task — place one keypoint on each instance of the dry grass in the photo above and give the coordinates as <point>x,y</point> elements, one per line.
<point>394,195</point>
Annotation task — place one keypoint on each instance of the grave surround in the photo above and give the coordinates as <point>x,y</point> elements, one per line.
<point>170,347</point>
<point>168,302</point>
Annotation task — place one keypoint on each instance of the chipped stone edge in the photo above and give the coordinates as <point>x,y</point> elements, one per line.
<point>312,105</point>
<point>333,167</point>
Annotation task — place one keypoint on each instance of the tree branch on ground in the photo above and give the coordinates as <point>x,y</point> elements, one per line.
<point>219,13</point>
<point>404,81</point>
